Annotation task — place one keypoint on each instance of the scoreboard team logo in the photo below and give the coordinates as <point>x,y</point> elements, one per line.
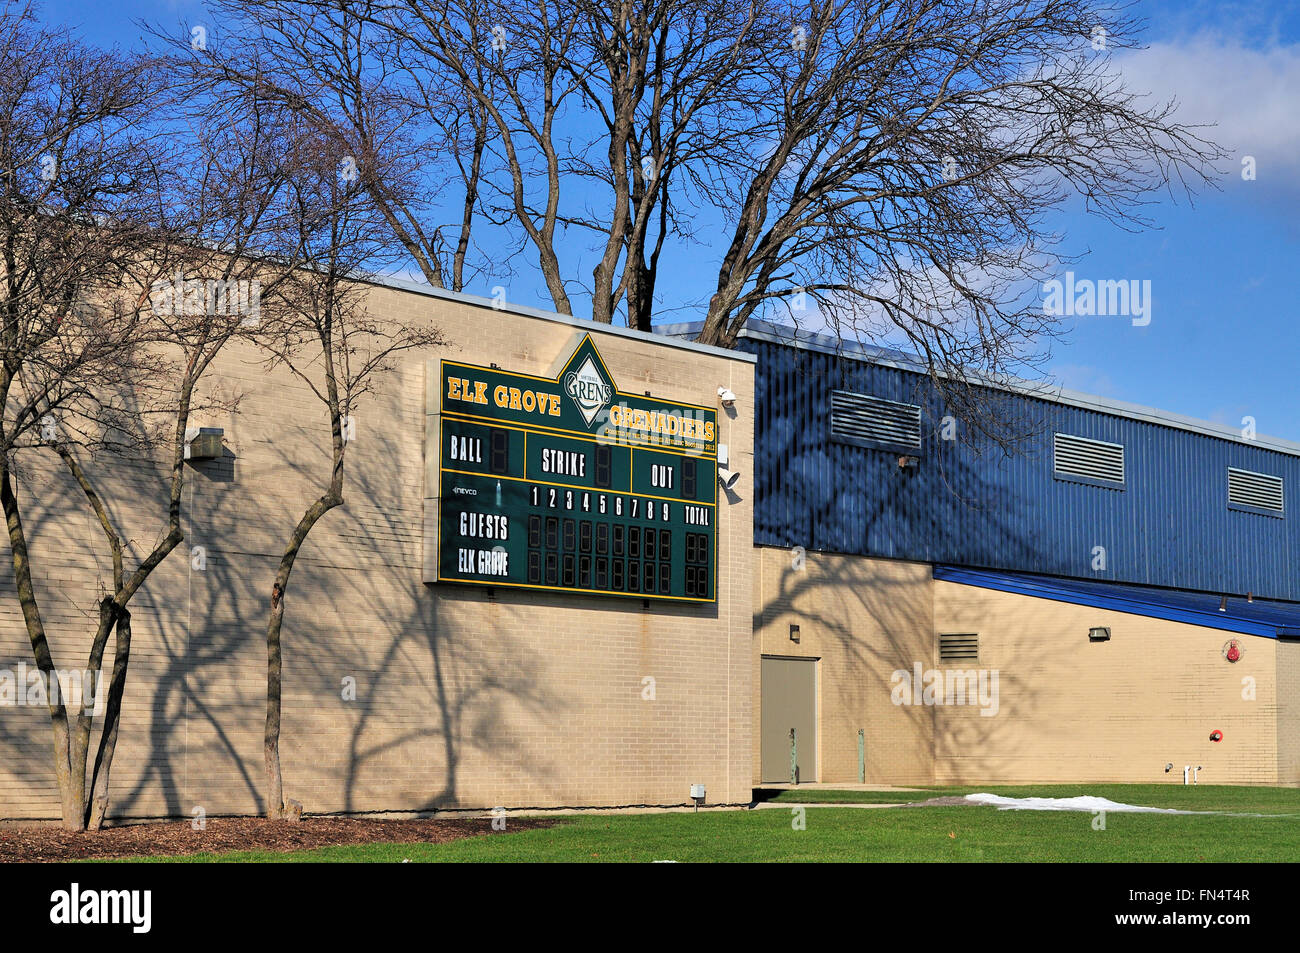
<point>588,390</point>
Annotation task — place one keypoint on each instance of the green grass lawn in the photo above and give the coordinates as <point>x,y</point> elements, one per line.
<point>909,834</point>
<point>1199,797</point>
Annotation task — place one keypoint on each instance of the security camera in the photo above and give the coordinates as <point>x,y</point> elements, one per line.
<point>728,398</point>
<point>727,478</point>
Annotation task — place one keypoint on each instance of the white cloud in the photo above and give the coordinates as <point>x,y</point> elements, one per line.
<point>1249,92</point>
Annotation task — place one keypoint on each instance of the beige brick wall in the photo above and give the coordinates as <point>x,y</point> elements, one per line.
<point>1288,712</point>
<point>862,619</point>
<point>462,701</point>
<point>1071,710</point>
<point>1067,710</point>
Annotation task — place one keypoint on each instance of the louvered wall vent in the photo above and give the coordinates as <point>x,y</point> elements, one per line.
<point>862,417</point>
<point>1260,490</point>
<point>959,648</point>
<point>1092,459</point>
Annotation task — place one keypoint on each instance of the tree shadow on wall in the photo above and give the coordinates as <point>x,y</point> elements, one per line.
<point>956,503</point>
<point>424,695</point>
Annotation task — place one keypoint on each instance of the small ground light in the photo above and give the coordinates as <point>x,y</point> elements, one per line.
<point>697,795</point>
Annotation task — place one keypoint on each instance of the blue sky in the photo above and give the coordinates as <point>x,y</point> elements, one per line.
<point>1222,342</point>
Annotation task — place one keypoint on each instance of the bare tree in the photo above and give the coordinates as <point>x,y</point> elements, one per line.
<point>546,78</point>
<point>517,64</point>
<point>913,150</point>
<point>318,328</point>
<point>656,75</point>
<point>407,135</point>
<point>75,221</point>
<point>101,349</point>
<point>893,162</point>
<point>360,178</point>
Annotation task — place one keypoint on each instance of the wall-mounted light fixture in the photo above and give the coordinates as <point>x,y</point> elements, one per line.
<point>727,397</point>
<point>1099,634</point>
<point>794,631</point>
<point>908,463</point>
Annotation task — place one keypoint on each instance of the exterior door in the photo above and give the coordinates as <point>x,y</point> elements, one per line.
<point>789,700</point>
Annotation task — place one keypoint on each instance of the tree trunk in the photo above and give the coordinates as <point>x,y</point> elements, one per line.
<point>276,805</point>
<point>271,739</point>
<point>98,807</point>
<point>68,802</point>
<point>83,720</point>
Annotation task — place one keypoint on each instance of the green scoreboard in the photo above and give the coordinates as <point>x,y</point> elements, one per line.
<point>567,483</point>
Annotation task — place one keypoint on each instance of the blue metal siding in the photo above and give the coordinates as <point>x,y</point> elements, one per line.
<point>1169,526</point>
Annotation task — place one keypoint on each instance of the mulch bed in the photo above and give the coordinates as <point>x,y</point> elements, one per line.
<point>48,843</point>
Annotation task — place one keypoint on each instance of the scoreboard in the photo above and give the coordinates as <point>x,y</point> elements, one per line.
<point>566,483</point>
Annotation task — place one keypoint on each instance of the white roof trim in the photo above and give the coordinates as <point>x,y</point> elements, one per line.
<point>830,344</point>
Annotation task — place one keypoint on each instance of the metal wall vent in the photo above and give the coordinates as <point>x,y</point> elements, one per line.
<point>203,443</point>
<point>964,647</point>
<point>1260,490</point>
<point>862,417</point>
<point>1092,459</point>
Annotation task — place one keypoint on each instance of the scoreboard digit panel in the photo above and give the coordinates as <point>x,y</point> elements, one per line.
<point>569,484</point>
